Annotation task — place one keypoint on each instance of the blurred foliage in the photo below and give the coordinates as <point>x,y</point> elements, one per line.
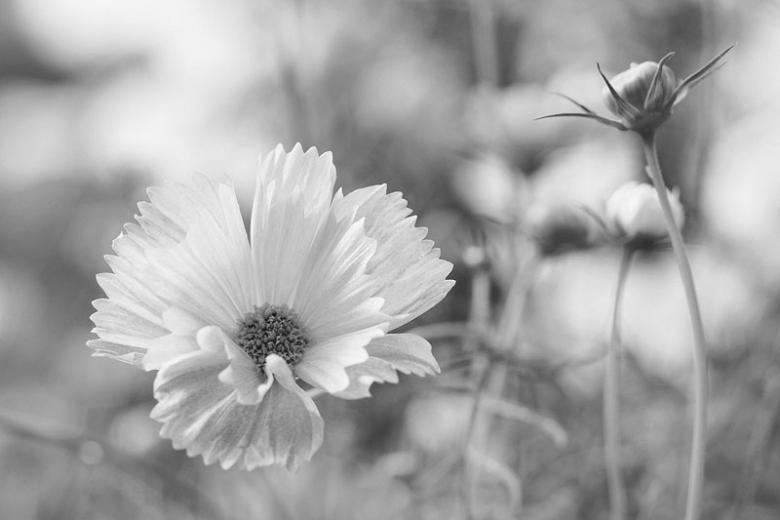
<point>436,98</point>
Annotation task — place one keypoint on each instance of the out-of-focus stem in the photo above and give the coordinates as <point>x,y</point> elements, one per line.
<point>617,492</point>
<point>470,430</point>
<point>699,357</point>
<point>514,307</point>
<point>479,311</point>
<point>484,39</point>
<point>479,320</point>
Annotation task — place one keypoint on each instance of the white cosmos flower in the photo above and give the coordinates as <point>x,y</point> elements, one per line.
<point>235,324</point>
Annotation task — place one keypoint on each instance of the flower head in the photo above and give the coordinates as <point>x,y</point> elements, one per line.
<point>558,229</point>
<point>238,325</point>
<point>634,213</point>
<point>642,97</point>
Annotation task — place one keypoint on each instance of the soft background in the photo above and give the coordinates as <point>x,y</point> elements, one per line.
<point>436,98</point>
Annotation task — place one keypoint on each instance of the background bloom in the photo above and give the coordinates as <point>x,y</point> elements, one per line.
<point>235,324</point>
<point>635,212</point>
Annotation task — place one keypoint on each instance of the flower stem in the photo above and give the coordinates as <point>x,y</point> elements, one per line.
<point>479,320</point>
<point>699,358</point>
<point>617,493</point>
<point>484,42</point>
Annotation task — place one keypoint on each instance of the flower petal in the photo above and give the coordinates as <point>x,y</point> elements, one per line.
<point>292,428</point>
<point>183,329</point>
<point>189,251</point>
<point>167,347</point>
<point>411,277</point>
<point>241,374</point>
<point>406,353</point>
<point>125,333</point>
<point>324,364</point>
<point>362,376</point>
<point>336,294</point>
<point>292,198</point>
<point>202,415</point>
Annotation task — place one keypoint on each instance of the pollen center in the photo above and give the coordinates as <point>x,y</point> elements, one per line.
<point>272,329</point>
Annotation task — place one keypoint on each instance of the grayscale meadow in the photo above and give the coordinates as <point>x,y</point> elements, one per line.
<point>393,259</point>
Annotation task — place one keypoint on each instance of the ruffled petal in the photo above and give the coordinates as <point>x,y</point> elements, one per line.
<point>362,376</point>
<point>125,331</point>
<point>203,416</point>
<point>241,374</point>
<point>411,277</point>
<point>188,250</point>
<point>291,426</point>
<point>406,353</point>
<point>292,197</point>
<point>324,365</point>
<point>181,339</point>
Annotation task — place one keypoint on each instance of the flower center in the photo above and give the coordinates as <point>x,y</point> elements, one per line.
<point>272,329</point>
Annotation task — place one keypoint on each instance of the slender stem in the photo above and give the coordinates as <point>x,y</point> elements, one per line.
<point>479,320</point>
<point>617,492</point>
<point>479,391</point>
<point>484,41</point>
<point>699,391</point>
<point>479,309</point>
<point>511,319</point>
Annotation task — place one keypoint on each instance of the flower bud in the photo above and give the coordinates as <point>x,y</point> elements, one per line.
<point>634,212</point>
<point>643,100</point>
<point>643,96</point>
<point>633,86</point>
<point>558,229</point>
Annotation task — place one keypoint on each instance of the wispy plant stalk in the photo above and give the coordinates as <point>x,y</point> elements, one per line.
<point>612,459</point>
<point>484,41</point>
<point>699,355</point>
<point>479,319</point>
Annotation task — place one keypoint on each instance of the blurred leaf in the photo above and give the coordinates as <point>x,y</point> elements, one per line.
<point>500,472</point>
<point>511,410</point>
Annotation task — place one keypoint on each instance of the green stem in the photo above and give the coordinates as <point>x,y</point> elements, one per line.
<point>699,358</point>
<point>617,492</point>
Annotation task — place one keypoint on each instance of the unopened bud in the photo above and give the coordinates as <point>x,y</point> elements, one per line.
<point>635,213</point>
<point>636,86</point>
<point>643,96</point>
